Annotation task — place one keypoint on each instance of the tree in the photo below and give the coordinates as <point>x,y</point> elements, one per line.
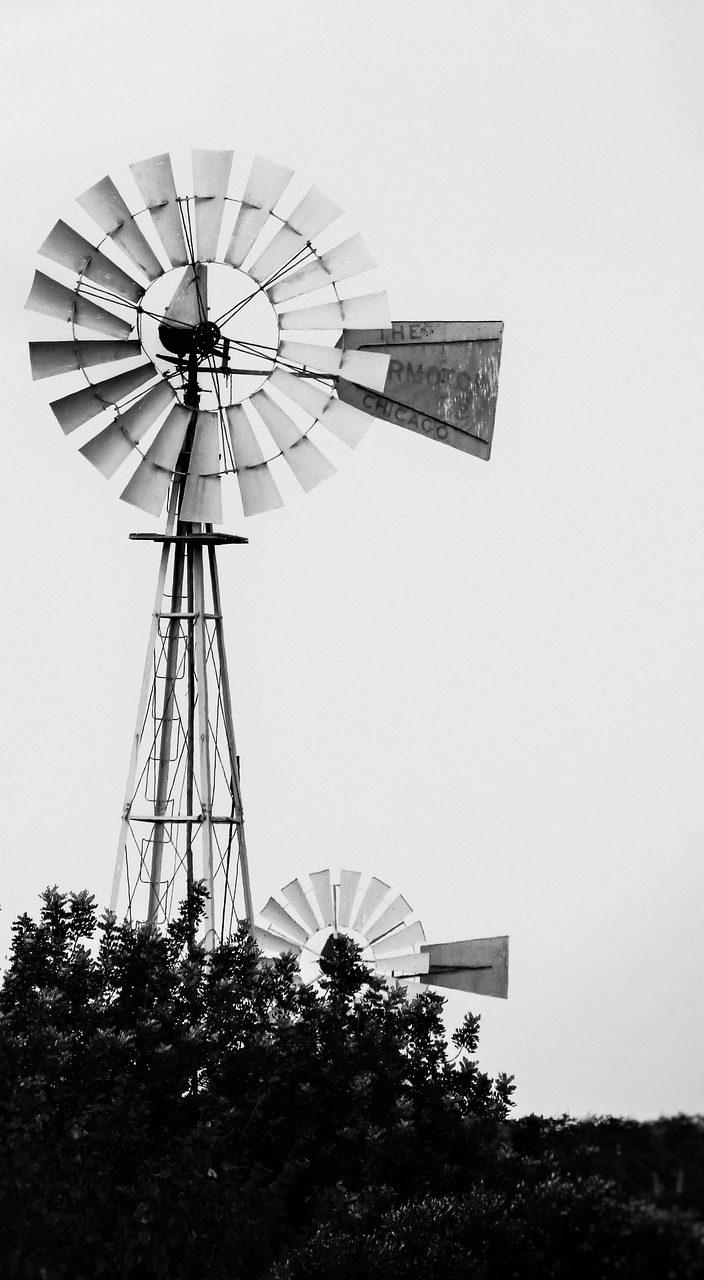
<point>165,1111</point>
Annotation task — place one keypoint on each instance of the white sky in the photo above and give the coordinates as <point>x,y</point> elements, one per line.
<point>482,683</point>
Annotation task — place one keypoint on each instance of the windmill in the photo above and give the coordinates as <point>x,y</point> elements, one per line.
<point>212,362</point>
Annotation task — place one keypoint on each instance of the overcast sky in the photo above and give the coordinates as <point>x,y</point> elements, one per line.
<point>479,682</point>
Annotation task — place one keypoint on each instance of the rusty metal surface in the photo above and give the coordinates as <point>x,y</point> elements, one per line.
<point>442,381</point>
<point>479,965</point>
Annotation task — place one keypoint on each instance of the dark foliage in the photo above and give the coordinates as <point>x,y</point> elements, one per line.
<point>170,1113</point>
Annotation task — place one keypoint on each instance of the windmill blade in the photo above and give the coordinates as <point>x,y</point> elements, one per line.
<point>266,939</point>
<point>283,250</point>
<point>409,966</point>
<point>394,914</point>
<point>350,258</point>
<point>307,395</point>
<point>155,179</point>
<point>211,175</point>
<point>189,305</point>
<point>49,298</point>
<point>322,889</point>
<point>366,368</point>
<point>370,311</point>
<point>257,487</point>
<point>376,891</point>
<point>412,935</point>
<point>149,486</point>
<point>276,914</point>
<point>479,965</point>
<point>69,249</point>
<point>105,206</point>
<point>202,499</point>
<point>295,894</point>
<point>113,446</point>
<point>265,186</point>
<point>346,422</point>
<point>349,883</point>
<point>73,410</point>
<point>321,404</point>
<point>307,463</point>
<point>315,212</point>
<point>48,359</point>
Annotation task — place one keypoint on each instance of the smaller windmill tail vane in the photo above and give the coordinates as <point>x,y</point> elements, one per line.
<point>382,923</point>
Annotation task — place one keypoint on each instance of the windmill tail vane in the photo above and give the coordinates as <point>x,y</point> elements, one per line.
<point>187,353</point>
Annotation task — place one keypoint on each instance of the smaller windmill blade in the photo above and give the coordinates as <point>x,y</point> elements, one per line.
<point>113,446</point>
<point>69,249</point>
<point>411,935</point>
<point>265,186</point>
<point>349,884</point>
<point>276,915</point>
<point>442,379</point>
<point>104,204</point>
<point>202,500</point>
<point>49,298</point>
<point>286,248</point>
<point>211,175</point>
<point>351,258</point>
<point>295,895</point>
<point>48,359</point>
<point>155,180</point>
<point>273,942</point>
<point>389,919</point>
<point>479,965</point>
<point>149,486</point>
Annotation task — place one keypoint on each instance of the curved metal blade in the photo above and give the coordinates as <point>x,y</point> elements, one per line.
<point>370,311</point>
<point>50,298</point>
<point>149,486</point>
<point>310,355</point>
<point>105,206</point>
<point>348,259</point>
<point>349,883</point>
<point>375,892</point>
<point>51,358</point>
<point>69,249</point>
<point>284,249</point>
<point>307,463</point>
<point>211,175</point>
<point>257,487</point>
<point>294,893</point>
<point>322,889</point>
<point>307,395</point>
<point>202,500</point>
<point>395,914</point>
<point>269,941</point>
<point>276,914</point>
<point>73,410</point>
<point>413,935</point>
<point>189,305</point>
<point>315,212</point>
<point>265,186</point>
<point>155,179</point>
<point>346,422</point>
<point>366,368</point>
<point>113,446</point>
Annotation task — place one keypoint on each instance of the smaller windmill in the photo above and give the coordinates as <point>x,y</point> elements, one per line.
<point>383,924</point>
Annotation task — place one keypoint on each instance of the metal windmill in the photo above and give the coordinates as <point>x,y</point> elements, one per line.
<point>211,363</point>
